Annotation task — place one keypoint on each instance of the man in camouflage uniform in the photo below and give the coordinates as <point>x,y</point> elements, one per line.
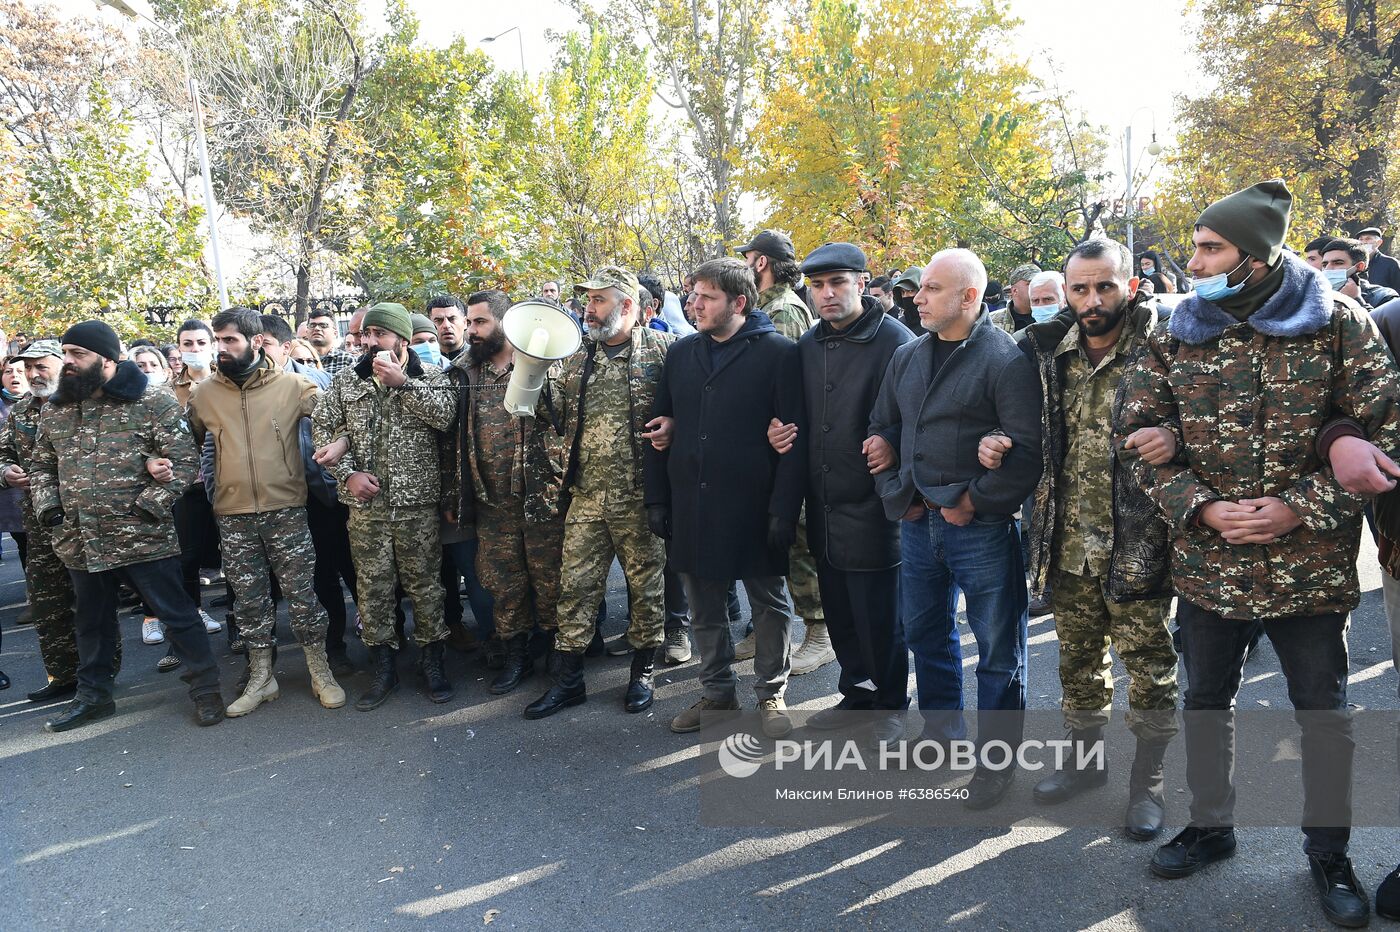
<point>505,471</point>
<point>253,410</point>
<point>1016,316</point>
<point>389,408</point>
<point>605,398</point>
<point>1106,555</point>
<point>773,260</point>
<point>91,485</point>
<point>50,589</point>
<point>1249,369</point>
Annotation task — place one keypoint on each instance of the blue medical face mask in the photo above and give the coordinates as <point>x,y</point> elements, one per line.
<point>1045,312</point>
<point>1336,277</point>
<point>1216,287</point>
<point>427,352</point>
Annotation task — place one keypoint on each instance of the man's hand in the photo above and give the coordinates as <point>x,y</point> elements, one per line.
<point>16,478</point>
<point>992,449</point>
<point>1359,465</point>
<point>1250,520</point>
<point>659,520</point>
<point>332,453</point>
<point>659,431</point>
<point>879,455</point>
<point>161,469</point>
<point>960,515</point>
<point>781,436</point>
<point>1155,445</point>
<point>449,516</point>
<point>782,534</point>
<point>915,512</point>
<point>362,485</point>
<point>390,373</point>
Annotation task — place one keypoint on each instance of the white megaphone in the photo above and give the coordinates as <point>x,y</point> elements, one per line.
<point>541,334</point>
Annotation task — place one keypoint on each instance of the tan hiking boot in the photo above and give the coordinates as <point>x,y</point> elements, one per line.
<point>323,684</point>
<point>746,648</point>
<point>692,718</point>
<point>261,686</point>
<point>773,711</point>
<point>815,652</point>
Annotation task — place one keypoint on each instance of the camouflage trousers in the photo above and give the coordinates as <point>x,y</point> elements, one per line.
<point>589,548</point>
<point>802,578</point>
<point>397,545</point>
<point>51,604</point>
<point>255,546</point>
<point>1087,623</point>
<point>518,563</point>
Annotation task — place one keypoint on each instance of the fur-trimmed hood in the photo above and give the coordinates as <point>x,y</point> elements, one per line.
<point>1302,305</point>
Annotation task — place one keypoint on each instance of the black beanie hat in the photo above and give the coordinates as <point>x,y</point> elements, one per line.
<point>96,336</point>
<point>1255,219</point>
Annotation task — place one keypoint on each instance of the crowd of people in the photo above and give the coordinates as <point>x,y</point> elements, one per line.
<point>858,449</point>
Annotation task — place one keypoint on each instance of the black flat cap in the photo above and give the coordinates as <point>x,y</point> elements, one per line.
<point>834,257</point>
<point>772,243</point>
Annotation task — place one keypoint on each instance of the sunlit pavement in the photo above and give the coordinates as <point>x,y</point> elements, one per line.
<point>464,815</point>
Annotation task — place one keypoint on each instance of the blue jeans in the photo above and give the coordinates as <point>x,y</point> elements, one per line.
<point>483,606</point>
<point>982,559</point>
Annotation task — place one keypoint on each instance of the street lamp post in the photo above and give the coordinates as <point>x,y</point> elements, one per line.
<point>125,9</point>
<point>519,36</point>
<point>1154,148</point>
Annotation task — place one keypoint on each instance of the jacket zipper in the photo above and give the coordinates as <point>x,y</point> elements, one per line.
<point>252,461</point>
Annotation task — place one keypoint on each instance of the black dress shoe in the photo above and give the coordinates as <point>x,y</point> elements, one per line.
<point>987,787</point>
<point>1343,900</point>
<point>1388,896</point>
<point>640,691</point>
<point>81,712</point>
<point>4,680</point>
<point>53,691</point>
<point>568,689</point>
<point>1192,849</point>
<point>208,709</point>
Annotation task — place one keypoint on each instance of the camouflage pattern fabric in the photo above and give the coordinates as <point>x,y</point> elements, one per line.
<point>393,432</point>
<point>605,460</point>
<point>1247,408</point>
<point>590,543</point>
<point>403,545</point>
<point>90,461</point>
<point>1087,623</point>
<point>1002,320</point>
<point>790,316</point>
<point>255,545</point>
<point>515,459</point>
<point>517,561</point>
<point>802,577</point>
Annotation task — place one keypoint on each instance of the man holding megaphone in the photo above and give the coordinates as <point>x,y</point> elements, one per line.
<point>605,402</point>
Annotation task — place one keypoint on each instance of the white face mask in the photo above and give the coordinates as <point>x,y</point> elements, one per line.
<point>198,360</point>
<point>157,378</point>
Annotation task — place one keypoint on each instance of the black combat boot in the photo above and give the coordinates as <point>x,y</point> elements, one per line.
<point>568,688</point>
<point>517,666</point>
<point>1072,780</point>
<point>431,664</point>
<point>639,691</point>
<point>1146,804</point>
<point>386,678</point>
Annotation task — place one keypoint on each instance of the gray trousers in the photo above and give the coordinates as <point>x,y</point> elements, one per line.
<point>709,626</point>
<point>1390,588</point>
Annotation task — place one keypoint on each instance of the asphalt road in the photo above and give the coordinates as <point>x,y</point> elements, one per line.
<point>418,816</point>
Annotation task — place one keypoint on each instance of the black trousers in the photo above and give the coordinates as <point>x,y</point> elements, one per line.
<point>331,540</point>
<point>95,624</point>
<point>1312,651</point>
<point>862,617</point>
<point>198,535</point>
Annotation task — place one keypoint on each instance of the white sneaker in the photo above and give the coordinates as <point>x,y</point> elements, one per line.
<point>152,632</point>
<point>746,648</point>
<point>210,625</point>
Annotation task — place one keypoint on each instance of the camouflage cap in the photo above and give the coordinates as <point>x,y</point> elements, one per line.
<point>611,276</point>
<point>39,349</point>
<point>1023,273</point>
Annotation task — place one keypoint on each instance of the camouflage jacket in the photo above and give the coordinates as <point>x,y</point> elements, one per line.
<point>536,453</point>
<point>648,358</point>
<point>393,432</point>
<point>1003,320</point>
<point>17,437</point>
<point>790,316</point>
<point>90,464</point>
<point>1090,513</point>
<point>1246,401</point>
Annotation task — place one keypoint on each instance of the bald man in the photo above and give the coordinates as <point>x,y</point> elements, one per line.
<point>960,381</point>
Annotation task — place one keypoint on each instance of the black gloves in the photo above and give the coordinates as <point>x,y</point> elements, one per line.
<point>782,534</point>
<point>659,520</point>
